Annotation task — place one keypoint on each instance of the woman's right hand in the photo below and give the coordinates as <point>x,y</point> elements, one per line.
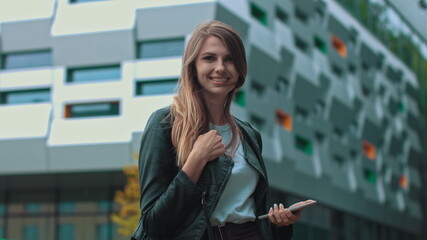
<point>207,147</point>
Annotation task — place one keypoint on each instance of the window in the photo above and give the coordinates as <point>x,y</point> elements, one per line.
<point>240,98</point>
<point>33,208</point>
<point>27,60</point>
<point>25,96</point>
<point>2,209</point>
<point>66,231</point>
<point>156,87</point>
<point>300,44</point>
<point>94,74</point>
<point>31,232</point>
<point>369,175</point>
<point>105,206</point>
<point>163,48</point>
<point>91,109</point>
<point>66,207</point>
<point>320,44</point>
<point>84,1</point>
<point>104,231</point>
<point>281,15</point>
<point>259,14</point>
<point>303,145</point>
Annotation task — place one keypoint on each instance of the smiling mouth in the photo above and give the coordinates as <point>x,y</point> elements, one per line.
<point>223,79</point>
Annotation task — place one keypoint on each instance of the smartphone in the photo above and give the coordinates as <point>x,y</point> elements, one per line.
<point>294,208</point>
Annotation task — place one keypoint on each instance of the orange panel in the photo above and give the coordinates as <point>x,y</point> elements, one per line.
<point>369,150</point>
<point>284,119</point>
<point>340,46</point>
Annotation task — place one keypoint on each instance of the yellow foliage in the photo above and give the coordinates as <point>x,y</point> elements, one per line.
<point>128,199</point>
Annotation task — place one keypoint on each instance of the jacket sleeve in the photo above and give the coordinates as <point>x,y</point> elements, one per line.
<point>167,194</point>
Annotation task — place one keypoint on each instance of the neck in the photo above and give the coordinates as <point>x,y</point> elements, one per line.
<point>216,111</point>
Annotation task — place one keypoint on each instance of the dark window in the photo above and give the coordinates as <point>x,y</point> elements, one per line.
<point>104,231</point>
<point>281,15</point>
<point>156,87</point>
<point>92,109</point>
<point>66,231</point>
<point>66,207</point>
<point>27,60</point>
<point>25,96</point>
<point>85,1</point>
<point>33,208</point>
<point>31,232</point>
<point>163,48</point>
<point>303,145</point>
<point>259,14</point>
<point>94,74</point>
<point>240,98</point>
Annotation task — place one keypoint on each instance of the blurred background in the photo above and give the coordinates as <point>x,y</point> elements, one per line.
<point>338,89</point>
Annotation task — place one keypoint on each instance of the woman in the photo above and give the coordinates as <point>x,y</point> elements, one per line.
<point>201,171</point>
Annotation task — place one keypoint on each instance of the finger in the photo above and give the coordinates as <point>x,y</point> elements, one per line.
<point>276,214</point>
<point>271,216</point>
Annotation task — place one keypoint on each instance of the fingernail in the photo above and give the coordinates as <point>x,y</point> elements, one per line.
<point>275,205</point>
<point>271,209</point>
<point>281,206</point>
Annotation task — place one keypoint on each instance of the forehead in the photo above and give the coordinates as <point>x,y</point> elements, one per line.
<point>213,44</point>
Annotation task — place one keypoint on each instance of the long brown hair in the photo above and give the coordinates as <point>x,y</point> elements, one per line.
<point>189,113</point>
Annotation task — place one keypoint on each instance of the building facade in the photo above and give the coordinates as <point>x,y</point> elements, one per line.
<point>337,89</point>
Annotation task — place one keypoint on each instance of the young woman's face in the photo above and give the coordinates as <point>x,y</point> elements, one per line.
<point>216,72</point>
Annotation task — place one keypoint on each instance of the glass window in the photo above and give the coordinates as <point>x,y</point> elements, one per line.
<point>33,207</point>
<point>84,1</point>
<point>67,231</point>
<point>105,206</point>
<point>31,232</point>
<point>27,60</point>
<point>66,207</point>
<point>94,74</point>
<point>104,231</point>
<point>92,109</point>
<point>259,14</point>
<point>156,87</point>
<point>164,48</point>
<point>25,96</point>
<point>2,209</point>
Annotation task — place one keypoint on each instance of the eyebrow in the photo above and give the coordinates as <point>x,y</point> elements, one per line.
<point>214,54</point>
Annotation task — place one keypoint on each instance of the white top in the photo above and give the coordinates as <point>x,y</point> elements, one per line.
<point>236,203</point>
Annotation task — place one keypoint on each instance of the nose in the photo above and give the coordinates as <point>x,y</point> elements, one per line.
<point>220,67</point>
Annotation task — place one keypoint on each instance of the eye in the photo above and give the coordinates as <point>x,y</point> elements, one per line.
<point>208,58</point>
<point>228,59</point>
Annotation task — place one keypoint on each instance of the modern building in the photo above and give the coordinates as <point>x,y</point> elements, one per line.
<point>337,89</point>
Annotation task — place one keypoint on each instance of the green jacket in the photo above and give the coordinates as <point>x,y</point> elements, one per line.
<point>172,206</point>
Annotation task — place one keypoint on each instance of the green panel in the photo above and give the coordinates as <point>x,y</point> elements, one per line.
<point>240,98</point>
<point>370,175</point>
<point>259,14</point>
<point>304,145</point>
<point>401,107</point>
<point>320,44</point>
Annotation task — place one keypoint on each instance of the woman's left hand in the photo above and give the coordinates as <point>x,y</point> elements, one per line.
<point>282,216</point>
